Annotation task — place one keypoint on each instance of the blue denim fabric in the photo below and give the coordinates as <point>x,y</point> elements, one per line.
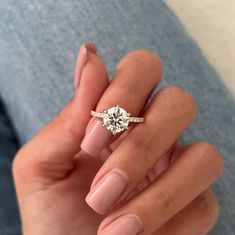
<point>9,220</point>
<point>39,42</point>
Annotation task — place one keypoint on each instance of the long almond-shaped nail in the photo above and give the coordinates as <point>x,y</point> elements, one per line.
<point>96,138</point>
<point>82,60</point>
<point>128,224</point>
<point>106,192</point>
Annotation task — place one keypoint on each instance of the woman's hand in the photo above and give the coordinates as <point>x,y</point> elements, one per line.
<point>142,181</point>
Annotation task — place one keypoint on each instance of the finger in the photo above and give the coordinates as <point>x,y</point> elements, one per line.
<point>169,113</point>
<point>50,153</point>
<point>197,218</point>
<point>191,174</point>
<point>106,152</point>
<point>163,164</point>
<point>155,172</point>
<point>158,168</point>
<point>137,75</point>
<point>80,63</point>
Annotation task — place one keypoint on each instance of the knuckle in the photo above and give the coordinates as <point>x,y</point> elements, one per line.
<point>179,100</point>
<point>28,167</point>
<point>162,200</point>
<point>209,211</point>
<point>16,164</point>
<point>143,56</point>
<point>19,165</point>
<point>210,157</point>
<point>146,56</point>
<point>140,59</point>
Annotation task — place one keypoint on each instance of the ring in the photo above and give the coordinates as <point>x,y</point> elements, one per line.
<point>116,119</point>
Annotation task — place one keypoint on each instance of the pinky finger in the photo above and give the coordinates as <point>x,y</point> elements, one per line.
<point>196,218</point>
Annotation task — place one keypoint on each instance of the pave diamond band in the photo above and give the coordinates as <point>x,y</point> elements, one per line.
<point>116,119</point>
<point>131,119</point>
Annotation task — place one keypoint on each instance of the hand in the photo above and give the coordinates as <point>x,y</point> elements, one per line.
<point>142,181</point>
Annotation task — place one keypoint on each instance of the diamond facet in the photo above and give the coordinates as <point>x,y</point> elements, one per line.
<point>116,119</point>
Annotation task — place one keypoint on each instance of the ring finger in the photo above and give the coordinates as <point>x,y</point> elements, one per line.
<point>137,75</point>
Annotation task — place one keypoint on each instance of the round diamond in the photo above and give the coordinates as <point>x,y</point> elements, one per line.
<point>116,119</point>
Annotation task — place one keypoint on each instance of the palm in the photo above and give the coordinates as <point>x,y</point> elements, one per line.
<point>72,214</point>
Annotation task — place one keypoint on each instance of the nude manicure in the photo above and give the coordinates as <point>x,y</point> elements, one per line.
<point>128,224</point>
<point>96,138</point>
<point>82,59</point>
<point>106,192</point>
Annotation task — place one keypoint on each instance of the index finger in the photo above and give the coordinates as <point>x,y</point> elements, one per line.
<point>56,144</point>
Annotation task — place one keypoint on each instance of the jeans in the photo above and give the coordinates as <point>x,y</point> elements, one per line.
<point>38,46</point>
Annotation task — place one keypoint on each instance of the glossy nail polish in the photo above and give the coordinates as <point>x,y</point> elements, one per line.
<point>128,224</point>
<point>107,190</point>
<point>82,59</point>
<point>96,138</point>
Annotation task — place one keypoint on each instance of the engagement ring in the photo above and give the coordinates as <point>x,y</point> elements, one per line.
<point>116,119</point>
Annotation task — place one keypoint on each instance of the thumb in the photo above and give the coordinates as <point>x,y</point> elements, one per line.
<point>50,153</point>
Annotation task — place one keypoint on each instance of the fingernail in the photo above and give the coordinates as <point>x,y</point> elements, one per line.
<point>128,224</point>
<point>96,138</point>
<point>105,192</point>
<point>81,61</point>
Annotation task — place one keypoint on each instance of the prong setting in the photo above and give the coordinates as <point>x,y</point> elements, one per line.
<point>116,119</point>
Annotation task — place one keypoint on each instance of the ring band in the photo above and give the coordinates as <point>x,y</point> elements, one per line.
<point>131,119</point>
<point>116,119</point>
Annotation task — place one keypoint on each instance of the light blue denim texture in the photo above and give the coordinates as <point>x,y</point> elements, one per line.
<point>39,41</point>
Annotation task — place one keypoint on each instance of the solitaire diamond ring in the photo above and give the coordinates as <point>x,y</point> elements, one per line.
<point>116,119</point>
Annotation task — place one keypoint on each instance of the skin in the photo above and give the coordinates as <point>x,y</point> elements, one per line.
<point>53,175</point>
